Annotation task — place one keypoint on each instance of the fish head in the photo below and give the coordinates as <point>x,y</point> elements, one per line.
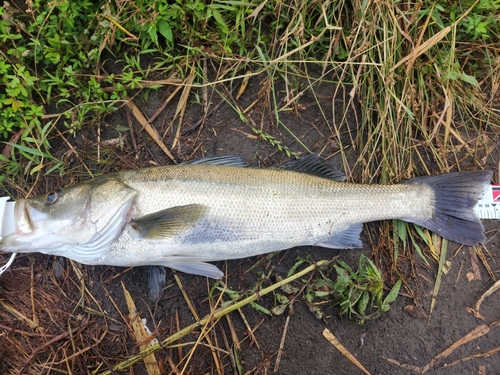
<point>51,220</point>
<point>72,217</point>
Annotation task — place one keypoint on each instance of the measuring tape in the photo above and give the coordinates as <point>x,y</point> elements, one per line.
<point>7,225</point>
<point>489,206</point>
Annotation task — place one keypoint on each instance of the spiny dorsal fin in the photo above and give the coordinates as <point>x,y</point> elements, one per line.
<point>168,222</point>
<point>314,165</point>
<point>231,161</point>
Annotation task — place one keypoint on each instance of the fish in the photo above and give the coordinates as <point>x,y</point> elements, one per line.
<point>187,215</point>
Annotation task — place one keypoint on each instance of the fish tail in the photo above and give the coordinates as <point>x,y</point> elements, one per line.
<point>455,196</point>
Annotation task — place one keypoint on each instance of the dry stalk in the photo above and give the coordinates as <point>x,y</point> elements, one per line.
<point>215,315</point>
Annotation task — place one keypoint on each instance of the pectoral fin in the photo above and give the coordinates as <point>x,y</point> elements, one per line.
<point>168,222</point>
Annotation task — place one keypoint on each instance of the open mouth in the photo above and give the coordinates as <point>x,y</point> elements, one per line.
<point>27,218</point>
<point>21,216</point>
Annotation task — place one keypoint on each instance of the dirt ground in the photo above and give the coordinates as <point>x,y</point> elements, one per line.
<point>75,317</point>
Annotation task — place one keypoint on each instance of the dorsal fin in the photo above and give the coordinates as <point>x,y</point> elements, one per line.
<point>312,164</point>
<point>232,161</point>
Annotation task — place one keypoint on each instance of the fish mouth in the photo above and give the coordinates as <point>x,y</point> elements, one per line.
<point>21,217</point>
<point>27,218</point>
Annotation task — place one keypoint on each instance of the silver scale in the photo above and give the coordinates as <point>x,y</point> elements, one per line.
<point>486,208</point>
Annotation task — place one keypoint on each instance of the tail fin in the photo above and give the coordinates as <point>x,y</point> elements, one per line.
<point>455,196</point>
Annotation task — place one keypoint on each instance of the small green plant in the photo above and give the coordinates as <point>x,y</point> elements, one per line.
<point>482,22</point>
<point>75,62</point>
<point>359,293</point>
<point>236,296</point>
<point>275,143</point>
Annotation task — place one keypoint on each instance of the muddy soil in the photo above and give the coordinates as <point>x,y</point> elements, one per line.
<point>74,329</point>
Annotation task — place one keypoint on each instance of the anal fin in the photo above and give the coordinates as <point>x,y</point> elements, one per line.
<point>347,239</point>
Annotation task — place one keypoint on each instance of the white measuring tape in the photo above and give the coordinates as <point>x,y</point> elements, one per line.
<point>6,216</point>
<point>6,225</point>
<point>489,206</point>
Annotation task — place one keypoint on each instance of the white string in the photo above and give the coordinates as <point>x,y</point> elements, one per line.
<point>7,265</point>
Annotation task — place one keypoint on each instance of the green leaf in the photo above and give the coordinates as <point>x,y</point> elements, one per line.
<point>55,167</point>
<point>321,294</point>
<point>36,169</point>
<point>28,150</point>
<point>260,308</point>
<point>419,249</point>
<point>451,75</point>
<point>345,266</point>
<point>231,293</point>
<point>421,233</point>
<point>372,269</point>
<point>289,289</point>
<point>437,18</point>
<point>220,20</point>
<point>295,266</point>
<point>363,303</point>
<point>282,299</point>
<point>165,30</point>
<point>354,297</point>
<point>401,228</point>
<point>315,310</point>
<point>393,294</point>
<point>152,32</point>
<point>343,279</point>
<point>278,310</point>
<point>469,79</point>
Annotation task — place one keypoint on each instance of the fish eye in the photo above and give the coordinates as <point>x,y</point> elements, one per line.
<point>52,196</point>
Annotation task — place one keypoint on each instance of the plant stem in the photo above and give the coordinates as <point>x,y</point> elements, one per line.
<point>213,316</point>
